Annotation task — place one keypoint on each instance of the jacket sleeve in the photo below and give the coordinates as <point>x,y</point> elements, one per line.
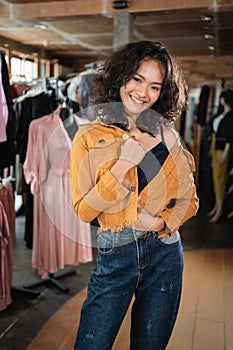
<point>182,202</point>
<point>92,195</point>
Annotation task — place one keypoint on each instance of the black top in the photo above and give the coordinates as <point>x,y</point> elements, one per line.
<point>224,133</point>
<point>7,148</point>
<point>150,165</point>
<point>31,108</point>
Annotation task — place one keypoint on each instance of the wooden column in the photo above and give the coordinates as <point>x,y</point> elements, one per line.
<point>123,28</point>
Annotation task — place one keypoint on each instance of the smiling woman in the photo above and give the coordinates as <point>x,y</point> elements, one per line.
<point>143,90</point>
<point>130,172</point>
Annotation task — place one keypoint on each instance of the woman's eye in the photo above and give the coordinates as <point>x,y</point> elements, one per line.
<point>155,88</point>
<point>138,80</point>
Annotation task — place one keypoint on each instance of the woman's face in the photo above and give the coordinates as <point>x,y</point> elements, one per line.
<point>143,90</point>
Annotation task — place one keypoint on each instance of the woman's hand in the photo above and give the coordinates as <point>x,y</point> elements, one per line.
<point>143,138</point>
<point>131,154</point>
<point>222,158</point>
<point>132,151</point>
<point>147,222</point>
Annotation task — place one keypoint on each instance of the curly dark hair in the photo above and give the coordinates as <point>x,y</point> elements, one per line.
<point>121,66</point>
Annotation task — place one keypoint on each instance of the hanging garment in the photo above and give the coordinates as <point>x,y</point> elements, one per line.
<point>7,147</point>
<point>3,109</point>
<point>202,105</point>
<point>59,237</point>
<point>32,106</point>
<point>7,235</point>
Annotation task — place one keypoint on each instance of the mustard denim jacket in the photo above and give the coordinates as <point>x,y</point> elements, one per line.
<point>171,194</point>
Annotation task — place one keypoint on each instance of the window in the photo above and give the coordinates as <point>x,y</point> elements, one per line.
<point>16,69</point>
<point>30,70</point>
<point>23,68</point>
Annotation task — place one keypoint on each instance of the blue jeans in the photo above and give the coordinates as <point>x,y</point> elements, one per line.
<point>131,264</point>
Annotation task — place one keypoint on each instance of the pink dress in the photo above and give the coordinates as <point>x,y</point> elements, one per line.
<point>3,108</point>
<point>59,237</point>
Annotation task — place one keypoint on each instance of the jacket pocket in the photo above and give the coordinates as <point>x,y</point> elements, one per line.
<point>103,149</point>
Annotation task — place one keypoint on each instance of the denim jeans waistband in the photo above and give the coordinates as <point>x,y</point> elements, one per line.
<point>145,234</point>
<point>124,236</point>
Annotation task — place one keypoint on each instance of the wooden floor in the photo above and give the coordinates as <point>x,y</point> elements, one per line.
<point>205,320</point>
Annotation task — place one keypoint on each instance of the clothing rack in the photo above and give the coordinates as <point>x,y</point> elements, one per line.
<point>53,279</point>
<point>27,289</point>
<point>48,278</point>
<point>40,84</point>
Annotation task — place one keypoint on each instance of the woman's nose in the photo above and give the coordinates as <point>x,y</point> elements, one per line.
<point>142,91</point>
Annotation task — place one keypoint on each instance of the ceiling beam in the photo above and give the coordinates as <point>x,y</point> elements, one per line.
<point>29,50</point>
<point>4,10</point>
<point>90,7</point>
<point>17,46</point>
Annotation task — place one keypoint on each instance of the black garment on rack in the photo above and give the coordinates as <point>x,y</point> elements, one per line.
<point>31,108</point>
<point>202,105</point>
<point>7,148</point>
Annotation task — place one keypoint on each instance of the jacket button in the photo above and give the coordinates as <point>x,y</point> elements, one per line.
<point>172,203</point>
<point>132,188</point>
<point>125,136</point>
<point>101,141</point>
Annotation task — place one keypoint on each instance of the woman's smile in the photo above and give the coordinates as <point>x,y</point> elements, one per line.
<point>136,100</point>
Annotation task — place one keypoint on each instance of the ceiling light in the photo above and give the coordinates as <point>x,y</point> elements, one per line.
<point>206,18</point>
<point>40,26</point>
<point>119,5</point>
<point>208,36</point>
<point>211,47</point>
